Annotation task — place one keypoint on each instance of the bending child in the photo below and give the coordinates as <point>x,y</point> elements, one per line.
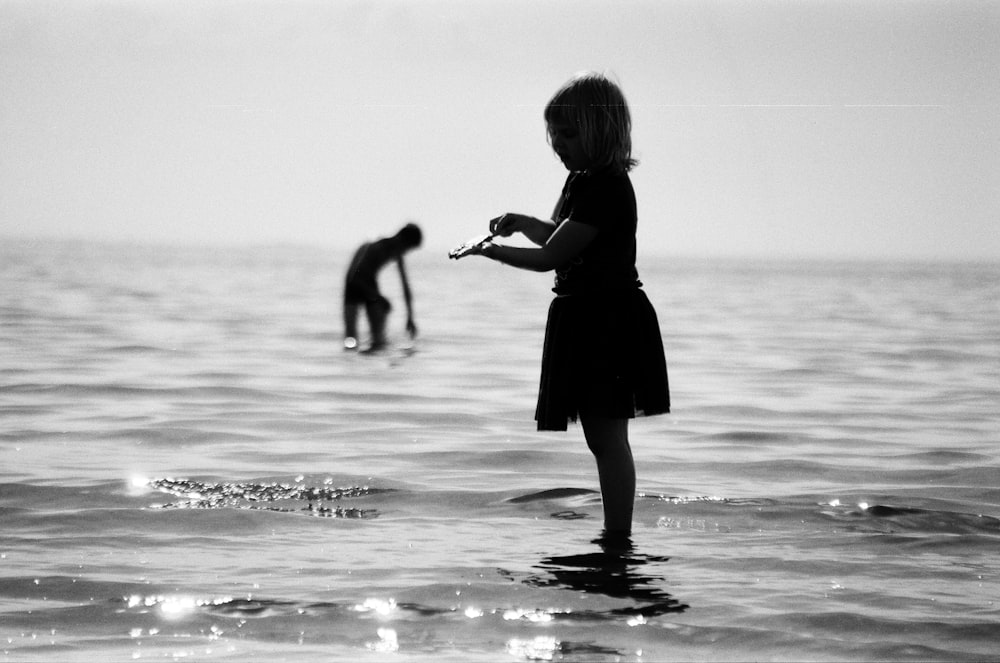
<point>602,360</point>
<point>361,286</point>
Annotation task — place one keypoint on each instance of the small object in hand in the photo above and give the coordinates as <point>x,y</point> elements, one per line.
<point>470,246</point>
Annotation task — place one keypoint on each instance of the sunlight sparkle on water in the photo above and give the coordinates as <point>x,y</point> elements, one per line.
<point>638,620</point>
<point>387,641</point>
<point>173,607</point>
<point>541,648</point>
<point>529,615</point>
<point>377,605</point>
<point>137,485</point>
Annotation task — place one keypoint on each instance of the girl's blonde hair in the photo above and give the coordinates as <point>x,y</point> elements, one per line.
<point>596,107</point>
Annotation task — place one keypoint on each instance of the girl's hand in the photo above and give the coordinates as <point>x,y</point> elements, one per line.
<point>481,249</point>
<point>507,224</point>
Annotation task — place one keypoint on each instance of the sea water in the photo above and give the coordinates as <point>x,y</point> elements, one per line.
<point>192,468</point>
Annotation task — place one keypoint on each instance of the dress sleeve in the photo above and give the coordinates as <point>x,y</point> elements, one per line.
<point>592,201</point>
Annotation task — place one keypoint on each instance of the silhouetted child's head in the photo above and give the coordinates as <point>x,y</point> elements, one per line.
<point>591,110</point>
<point>410,236</point>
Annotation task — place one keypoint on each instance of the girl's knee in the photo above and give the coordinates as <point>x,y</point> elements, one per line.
<point>604,448</point>
<point>606,437</point>
<point>596,447</point>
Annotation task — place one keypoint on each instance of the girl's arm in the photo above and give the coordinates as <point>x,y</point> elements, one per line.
<point>564,243</point>
<point>536,230</point>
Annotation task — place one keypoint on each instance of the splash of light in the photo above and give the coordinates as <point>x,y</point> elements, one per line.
<point>638,620</point>
<point>377,606</point>
<point>173,607</point>
<point>176,607</point>
<point>388,641</point>
<point>541,648</point>
<point>138,485</point>
<point>689,499</point>
<point>537,616</point>
<point>269,497</point>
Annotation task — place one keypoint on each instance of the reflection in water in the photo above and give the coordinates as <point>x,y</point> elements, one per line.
<point>615,571</point>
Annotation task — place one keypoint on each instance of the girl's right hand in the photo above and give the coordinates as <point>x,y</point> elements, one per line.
<point>506,224</point>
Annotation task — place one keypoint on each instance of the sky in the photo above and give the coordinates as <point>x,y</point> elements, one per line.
<point>803,129</point>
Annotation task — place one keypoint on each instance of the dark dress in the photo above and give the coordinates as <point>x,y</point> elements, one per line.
<point>603,354</point>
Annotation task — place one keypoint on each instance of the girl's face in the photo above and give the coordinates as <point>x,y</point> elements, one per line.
<point>568,145</point>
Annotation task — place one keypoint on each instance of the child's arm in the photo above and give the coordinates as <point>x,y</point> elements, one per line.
<point>411,327</point>
<point>564,243</point>
<point>536,230</point>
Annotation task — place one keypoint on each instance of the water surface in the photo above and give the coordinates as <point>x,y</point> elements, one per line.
<point>190,466</point>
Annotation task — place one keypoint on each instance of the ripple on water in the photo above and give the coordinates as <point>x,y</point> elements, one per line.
<point>281,497</point>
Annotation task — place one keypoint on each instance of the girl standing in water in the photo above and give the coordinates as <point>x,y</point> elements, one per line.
<point>603,360</point>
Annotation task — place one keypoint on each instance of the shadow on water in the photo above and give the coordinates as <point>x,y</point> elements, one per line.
<point>615,570</point>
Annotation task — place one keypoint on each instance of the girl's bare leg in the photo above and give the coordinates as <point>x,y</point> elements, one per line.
<point>608,441</point>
